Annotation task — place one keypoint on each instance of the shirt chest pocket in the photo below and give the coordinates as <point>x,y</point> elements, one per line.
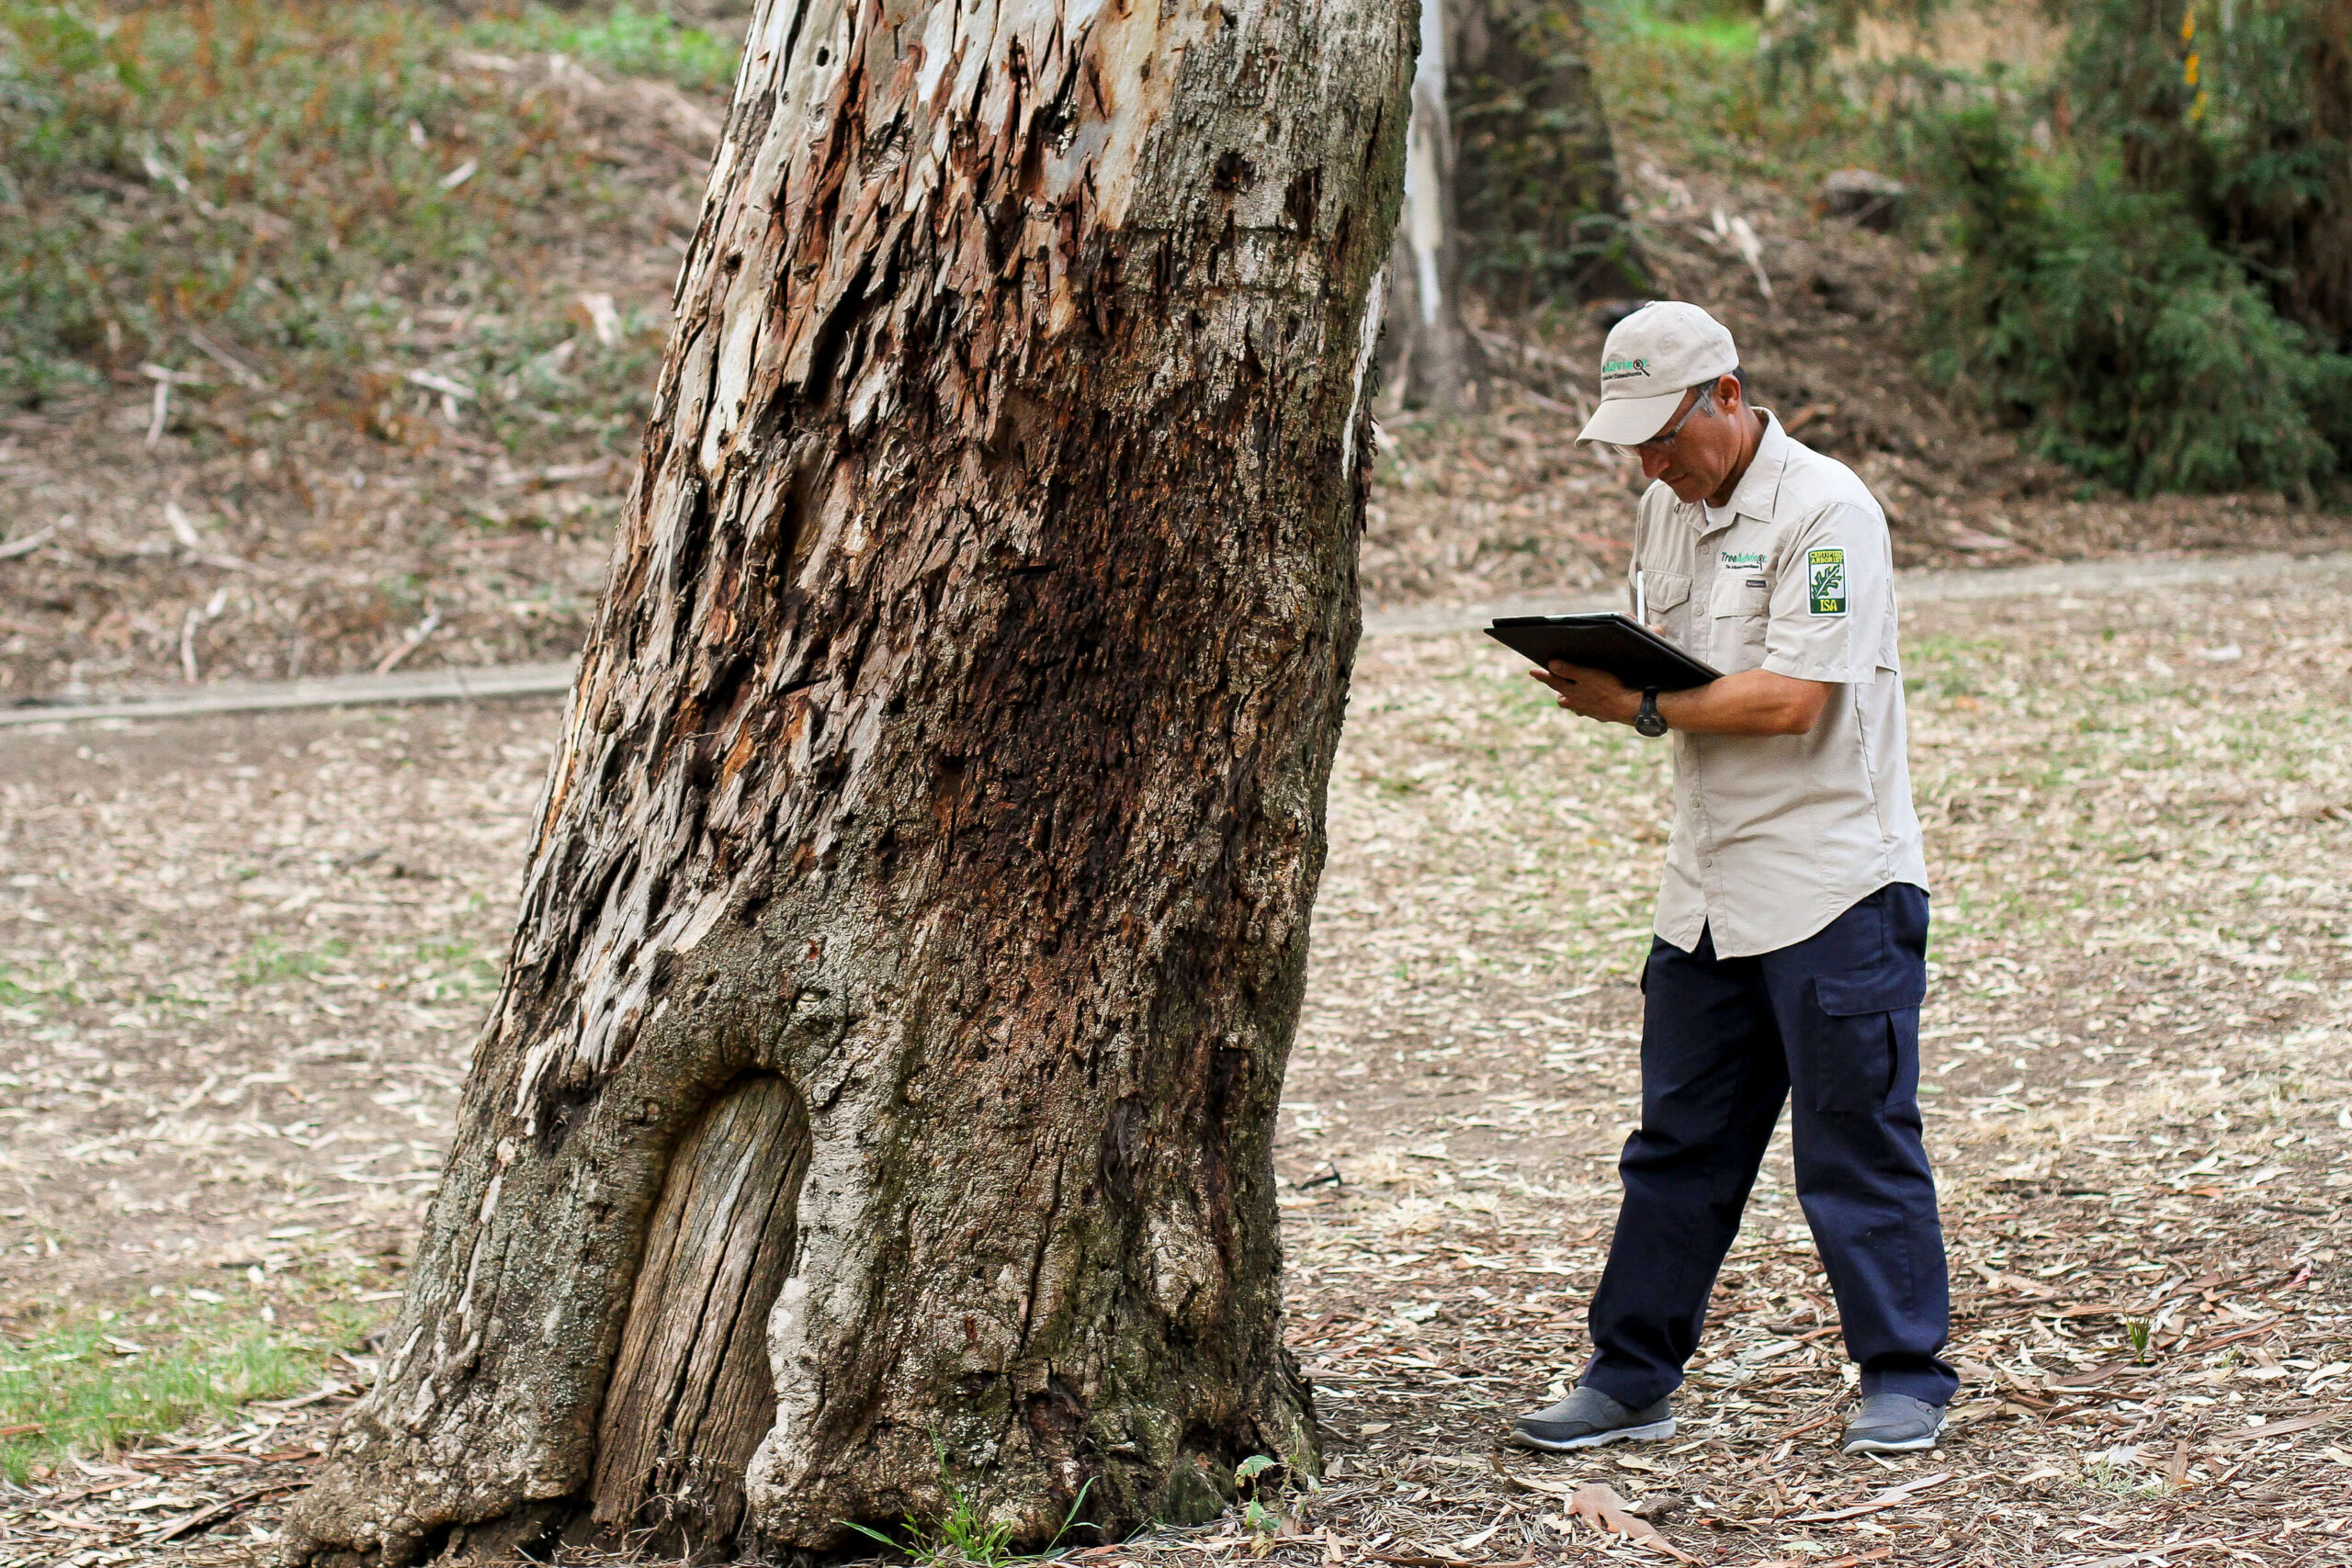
<point>1738,610</point>
<point>1666,603</point>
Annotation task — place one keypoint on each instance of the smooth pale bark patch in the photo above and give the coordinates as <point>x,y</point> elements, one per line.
<point>1431,357</point>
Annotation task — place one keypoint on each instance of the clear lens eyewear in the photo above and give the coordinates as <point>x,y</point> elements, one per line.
<point>1664,438</point>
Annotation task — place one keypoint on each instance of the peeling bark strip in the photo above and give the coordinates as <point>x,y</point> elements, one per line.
<point>951,745</point>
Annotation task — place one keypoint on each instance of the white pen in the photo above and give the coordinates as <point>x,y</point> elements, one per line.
<point>1641,599</point>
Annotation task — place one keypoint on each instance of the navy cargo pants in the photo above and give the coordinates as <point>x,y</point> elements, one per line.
<point>1724,1041</point>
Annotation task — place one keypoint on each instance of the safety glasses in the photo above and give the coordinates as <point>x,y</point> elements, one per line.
<point>1656,444</point>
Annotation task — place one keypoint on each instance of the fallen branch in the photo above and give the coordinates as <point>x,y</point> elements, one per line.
<point>2204,1345</point>
<point>28,544</point>
<point>1825,1414</point>
<point>2277,1428</point>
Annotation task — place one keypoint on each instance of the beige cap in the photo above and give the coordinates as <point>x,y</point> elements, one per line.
<point>1652,358</point>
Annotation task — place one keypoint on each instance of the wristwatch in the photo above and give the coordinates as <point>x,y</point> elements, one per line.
<point>1649,721</point>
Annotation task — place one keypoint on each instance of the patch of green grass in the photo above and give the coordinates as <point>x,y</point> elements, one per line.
<point>269,959</point>
<point>628,42</point>
<point>964,1533</point>
<point>92,1381</point>
<point>22,988</point>
<point>2101,1474</point>
<point>453,970</point>
<point>72,1389</point>
<point>1686,77</point>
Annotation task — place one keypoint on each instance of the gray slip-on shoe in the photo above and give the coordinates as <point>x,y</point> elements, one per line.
<point>1587,1419</point>
<point>1893,1424</point>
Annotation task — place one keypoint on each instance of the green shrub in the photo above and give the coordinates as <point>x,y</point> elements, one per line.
<point>2104,322</point>
<point>2243,111</point>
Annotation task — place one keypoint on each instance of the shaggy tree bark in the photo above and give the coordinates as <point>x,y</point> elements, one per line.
<point>1428,355</point>
<point>914,927</point>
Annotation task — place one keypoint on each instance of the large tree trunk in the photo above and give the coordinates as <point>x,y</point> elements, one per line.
<point>913,934</point>
<point>1428,355</point>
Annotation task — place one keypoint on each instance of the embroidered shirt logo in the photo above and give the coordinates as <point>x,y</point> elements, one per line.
<point>1743,560</point>
<point>1826,581</point>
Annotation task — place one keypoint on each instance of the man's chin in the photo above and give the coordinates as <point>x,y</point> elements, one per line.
<point>1689,492</point>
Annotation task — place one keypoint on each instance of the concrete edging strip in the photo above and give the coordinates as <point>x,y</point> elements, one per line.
<point>451,683</point>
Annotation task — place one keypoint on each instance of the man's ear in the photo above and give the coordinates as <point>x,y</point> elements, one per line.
<point>1727,392</point>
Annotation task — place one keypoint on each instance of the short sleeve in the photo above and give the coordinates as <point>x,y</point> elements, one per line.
<point>1833,601</point>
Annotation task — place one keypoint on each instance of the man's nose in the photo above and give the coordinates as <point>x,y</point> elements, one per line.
<point>1653,463</point>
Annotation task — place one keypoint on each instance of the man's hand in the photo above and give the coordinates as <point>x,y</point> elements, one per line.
<point>1754,702</point>
<point>1594,693</point>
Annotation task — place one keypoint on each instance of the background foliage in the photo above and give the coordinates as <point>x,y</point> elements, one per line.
<point>2157,296</point>
<point>1540,207</point>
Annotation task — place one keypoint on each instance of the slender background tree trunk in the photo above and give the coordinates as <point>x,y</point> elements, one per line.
<point>1537,196</point>
<point>913,934</point>
<point>1511,188</point>
<point>1428,357</point>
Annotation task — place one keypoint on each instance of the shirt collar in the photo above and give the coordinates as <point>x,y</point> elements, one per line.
<point>1759,489</point>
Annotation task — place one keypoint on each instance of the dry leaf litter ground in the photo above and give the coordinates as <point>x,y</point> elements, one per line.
<point>243,961</point>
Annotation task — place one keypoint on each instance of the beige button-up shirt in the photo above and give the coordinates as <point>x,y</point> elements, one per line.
<point>1775,836</point>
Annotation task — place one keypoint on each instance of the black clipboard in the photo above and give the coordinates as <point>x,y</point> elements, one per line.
<point>1604,641</point>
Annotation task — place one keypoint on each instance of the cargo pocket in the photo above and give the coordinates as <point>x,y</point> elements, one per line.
<point>1866,1049</point>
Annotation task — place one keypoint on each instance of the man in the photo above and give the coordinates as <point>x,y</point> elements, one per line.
<point>1791,934</point>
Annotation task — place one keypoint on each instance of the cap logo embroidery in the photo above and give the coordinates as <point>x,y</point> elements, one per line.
<point>1826,581</point>
<point>1614,370</point>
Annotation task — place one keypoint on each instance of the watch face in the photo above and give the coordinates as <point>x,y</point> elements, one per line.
<point>1651,724</point>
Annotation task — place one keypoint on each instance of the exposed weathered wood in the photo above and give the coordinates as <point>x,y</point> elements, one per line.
<point>951,743</point>
<point>691,1396</point>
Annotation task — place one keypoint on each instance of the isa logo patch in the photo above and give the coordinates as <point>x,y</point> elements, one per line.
<point>1825,580</point>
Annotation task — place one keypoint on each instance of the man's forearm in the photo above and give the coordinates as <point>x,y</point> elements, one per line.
<point>1754,702</point>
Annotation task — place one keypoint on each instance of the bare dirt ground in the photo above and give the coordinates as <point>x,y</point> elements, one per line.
<point>243,961</point>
